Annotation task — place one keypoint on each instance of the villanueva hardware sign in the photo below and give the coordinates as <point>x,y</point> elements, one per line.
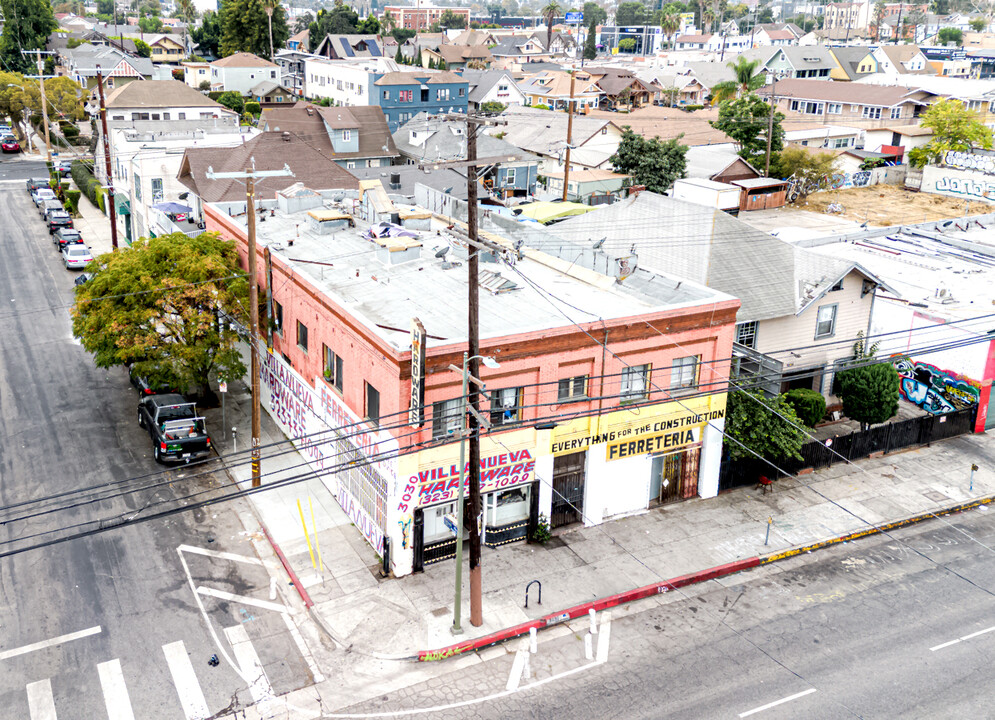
<point>416,408</point>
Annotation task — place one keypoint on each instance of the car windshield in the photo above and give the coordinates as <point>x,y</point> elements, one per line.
<point>9,139</point>
<point>77,250</point>
<point>70,235</point>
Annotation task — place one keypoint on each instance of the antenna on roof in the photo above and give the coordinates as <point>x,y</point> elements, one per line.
<point>441,253</point>
<point>597,245</point>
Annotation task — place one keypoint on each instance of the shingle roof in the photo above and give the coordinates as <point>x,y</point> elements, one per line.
<point>445,140</point>
<point>855,93</point>
<point>849,59</point>
<point>243,59</point>
<point>268,86</point>
<point>464,53</point>
<point>544,132</point>
<point>160,94</point>
<point>481,81</point>
<point>311,167</point>
<point>810,57</point>
<point>693,38</point>
<point>417,78</point>
<point>369,120</point>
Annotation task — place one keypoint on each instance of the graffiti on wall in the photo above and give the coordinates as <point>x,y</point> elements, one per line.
<point>981,162</point>
<point>966,186</point>
<point>799,186</point>
<point>935,390</point>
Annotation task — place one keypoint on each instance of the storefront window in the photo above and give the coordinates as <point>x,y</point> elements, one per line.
<point>435,528</point>
<point>508,506</point>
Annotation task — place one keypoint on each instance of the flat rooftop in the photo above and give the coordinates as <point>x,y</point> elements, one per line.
<point>533,295</point>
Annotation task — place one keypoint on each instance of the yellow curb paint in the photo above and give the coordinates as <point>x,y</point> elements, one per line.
<point>307,536</point>
<point>314,525</point>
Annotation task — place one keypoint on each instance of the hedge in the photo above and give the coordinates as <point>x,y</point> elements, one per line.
<point>809,405</point>
<point>86,182</point>
<point>72,202</point>
<point>253,108</point>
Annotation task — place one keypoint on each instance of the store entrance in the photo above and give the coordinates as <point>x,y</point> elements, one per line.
<point>674,476</point>
<point>568,489</point>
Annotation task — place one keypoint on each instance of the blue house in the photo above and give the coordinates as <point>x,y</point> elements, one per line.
<point>402,95</point>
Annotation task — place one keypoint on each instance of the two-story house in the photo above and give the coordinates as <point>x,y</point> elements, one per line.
<point>291,64</point>
<point>795,61</point>
<point>81,64</point>
<point>849,103</point>
<point>354,137</point>
<point>457,57</point>
<point>893,60</point>
<point>544,134</point>
<point>166,49</point>
<point>345,82</point>
<point>555,89</point>
<point>195,73</point>
<point>422,140</point>
<point>492,86</point>
<point>352,47</point>
<point>402,95</point>
<point>242,71</point>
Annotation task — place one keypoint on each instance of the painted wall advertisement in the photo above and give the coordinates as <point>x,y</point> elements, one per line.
<point>310,416</point>
<point>651,430</point>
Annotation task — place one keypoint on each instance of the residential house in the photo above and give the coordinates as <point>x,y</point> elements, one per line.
<point>518,50</point>
<point>849,103</point>
<point>166,49</point>
<point>402,95</point>
<point>345,82</point>
<point>649,38</point>
<point>846,16</point>
<point>457,57</point>
<point>422,17</point>
<point>819,135</point>
<point>196,73</point>
<point>773,38</point>
<point>424,140</point>
<point>622,88</point>
<point>692,42</point>
<point>555,89</point>
<point>486,86</point>
<point>354,137</point>
<point>351,47</point>
<point>241,72</point>
<point>848,61</point>
<point>796,304</point>
<point>342,343</point>
<point>693,128</point>
<point>292,70</point>
<point>402,181</point>
<point>895,60</point>
<point>299,42</point>
<point>592,187</point>
<point>797,62</point>
<point>718,164</point>
<point>890,139</point>
<point>83,62</point>
<point>475,37</point>
<point>269,93</point>
<point>675,90</point>
<point>977,95</point>
<point>544,133</point>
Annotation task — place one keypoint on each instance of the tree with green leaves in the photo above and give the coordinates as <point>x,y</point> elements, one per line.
<point>811,168</point>
<point>339,20</point>
<point>654,163</point>
<point>550,12</point>
<point>232,100</point>
<point>748,79</point>
<point>451,21</point>
<point>303,22</point>
<point>244,27</point>
<point>590,47</point>
<point>954,128</point>
<point>150,24</point>
<point>594,13</point>
<point>630,13</point>
<point>627,45</point>
<point>492,107</point>
<point>809,405</point>
<point>745,120</point>
<point>917,18</point>
<point>27,27</point>
<point>869,392</point>
<point>142,48</point>
<point>105,7</point>
<point>950,35</point>
<point>369,25</point>
<point>207,37</point>
<point>158,306</point>
<point>757,425</point>
<point>187,12</point>
<point>670,24</point>
<point>977,24</point>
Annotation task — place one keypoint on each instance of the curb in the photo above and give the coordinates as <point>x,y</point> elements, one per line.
<point>675,583</point>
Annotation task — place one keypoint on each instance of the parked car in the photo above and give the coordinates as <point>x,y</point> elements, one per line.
<point>66,236</point>
<point>178,433</point>
<point>145,387</point>
<point>35,183</point>
<point>6,130</point>
<point>41,194</point>
<point>63,167</point>
<point>47,205</point>
<point>9,144</point>
<point>58,219</point>
<point>76,256</point>
<point>83,277</point>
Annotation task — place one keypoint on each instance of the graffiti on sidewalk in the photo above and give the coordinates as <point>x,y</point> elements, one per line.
<point>935,390</point>
<point>802,186</point>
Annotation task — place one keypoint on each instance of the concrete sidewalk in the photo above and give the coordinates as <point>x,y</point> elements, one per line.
<point>398,617</point>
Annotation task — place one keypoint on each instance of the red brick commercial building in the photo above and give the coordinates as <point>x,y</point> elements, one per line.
<point>422,18</point>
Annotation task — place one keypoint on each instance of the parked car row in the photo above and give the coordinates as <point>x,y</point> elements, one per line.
<point>75,254</point>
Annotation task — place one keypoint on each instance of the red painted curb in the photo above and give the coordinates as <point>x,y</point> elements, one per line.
<point>582,609</point>
<point>286,566</point>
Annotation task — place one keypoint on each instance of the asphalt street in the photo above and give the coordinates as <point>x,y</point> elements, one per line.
<point>884,627</point>
<point>109,620</point>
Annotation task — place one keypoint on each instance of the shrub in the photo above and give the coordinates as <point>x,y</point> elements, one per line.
<point>85,181</point>
<point>253,108</point>
<point>72,202</point>
<point>101,194</point>
<point>232,100</point>
<point>691,108</point>
<point>540,106</point>
<point>205,85</point>
<point>178,74</point>
<point>71,131</point>
<point>809,405</point>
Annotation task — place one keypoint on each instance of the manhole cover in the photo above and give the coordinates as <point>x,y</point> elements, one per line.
<point>440,612</point>
<point>936,496</point>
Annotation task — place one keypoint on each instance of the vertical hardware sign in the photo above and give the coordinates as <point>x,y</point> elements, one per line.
<point>416,409</point>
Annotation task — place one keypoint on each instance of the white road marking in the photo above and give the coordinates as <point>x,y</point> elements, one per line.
<point>305,652</point>
<point>6,654</point>
<point>768,706</point>
<point>234,557</point>
<point>185,680</point>
<point>517,668</point>
<point>604,636</point>
<point>115,691</point>
<point>248,661</point>
<point>41,704</point>
<point>965,637</point>
<point>242,599</point>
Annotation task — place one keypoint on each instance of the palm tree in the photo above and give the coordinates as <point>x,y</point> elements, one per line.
<point>269,6</point>
<point>388,22</point>
<point>670,24</point>
<point>747,80</point>
<point>550,12</point>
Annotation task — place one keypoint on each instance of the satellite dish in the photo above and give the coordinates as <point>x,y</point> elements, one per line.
<point>441,253</point>
<point>597,245</point>
<point>448,190</point>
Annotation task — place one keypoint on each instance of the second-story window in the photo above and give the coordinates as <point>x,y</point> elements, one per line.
<point>506,406</point>
<point>278,317</point>
<point>684,373</point>
<point>572,388</point>
<point>446,418</point>
<point>334,369</point>
<point>346,135</point>
<point>746,334</point>
<point>302,336</point>
<point>635,382</point>
<point>372,404</point>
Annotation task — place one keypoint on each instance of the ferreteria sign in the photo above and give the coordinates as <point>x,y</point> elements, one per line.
<point>642,430</point>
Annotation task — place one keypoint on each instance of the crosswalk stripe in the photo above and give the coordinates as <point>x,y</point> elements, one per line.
<point>185,681</point>
<point>41,705</point>
<point>295,633</point>
<point>248,663</point>
<point>115,691</point>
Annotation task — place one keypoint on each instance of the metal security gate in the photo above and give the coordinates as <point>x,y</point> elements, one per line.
<point>675,476</point>
<point>568,489</point>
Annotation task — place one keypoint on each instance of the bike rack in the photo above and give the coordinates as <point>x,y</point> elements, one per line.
<point>534,582</point>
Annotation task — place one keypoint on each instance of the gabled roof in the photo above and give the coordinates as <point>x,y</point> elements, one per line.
<point>346,47</point>
<point>855,93</point>
<point>556,83</point>
<point>444,140</point>
<point>243,60</point>
<point>481,81</point>
<point>303,37</point>
<point>848,58</point>
<point>270,151</point>
<point>463,53</point>
<point>544,133</point>
<point>697,39</point>
<point>810,57</point>
<point>160,94</point>
<point>267,86</point>
<point>707,162</point>
<point>310,122</point>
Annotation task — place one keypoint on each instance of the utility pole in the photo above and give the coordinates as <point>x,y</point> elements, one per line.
<point>570,136</point>
<point>44,102</point>
<point>250,176</point>
<point>770,124</point>
<point>112,210</point>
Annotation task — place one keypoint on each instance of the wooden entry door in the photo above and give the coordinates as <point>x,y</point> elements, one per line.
<point>568,489</point>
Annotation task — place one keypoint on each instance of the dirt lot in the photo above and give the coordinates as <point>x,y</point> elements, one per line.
<point>883,205</point>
